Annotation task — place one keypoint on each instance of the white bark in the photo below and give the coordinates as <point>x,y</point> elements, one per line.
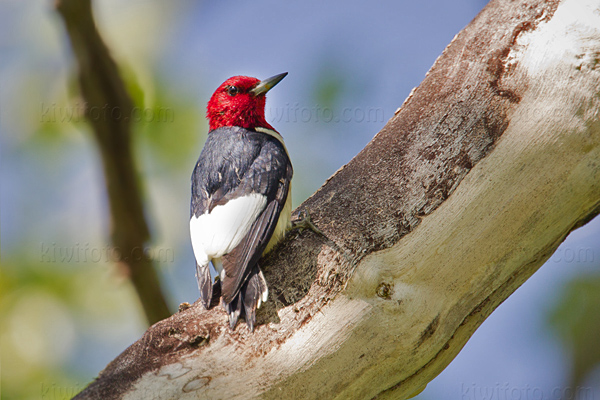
<point>385,322</point>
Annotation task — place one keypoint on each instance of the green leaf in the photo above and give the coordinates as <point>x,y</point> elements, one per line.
<point>576,319</point>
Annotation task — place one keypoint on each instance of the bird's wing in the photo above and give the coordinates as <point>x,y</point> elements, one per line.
<point>216,232</point>
<point>223,204</point>
<point>274,182</point>
<point>219,231</point>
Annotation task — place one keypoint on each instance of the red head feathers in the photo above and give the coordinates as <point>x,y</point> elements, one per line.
<point>240,101</point>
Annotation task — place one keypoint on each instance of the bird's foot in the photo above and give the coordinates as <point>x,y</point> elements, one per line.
<point>303,221</point>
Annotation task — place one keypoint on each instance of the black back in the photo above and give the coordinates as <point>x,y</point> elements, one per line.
<point>236,162</point>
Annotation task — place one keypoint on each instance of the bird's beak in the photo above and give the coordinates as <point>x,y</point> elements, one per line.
<point>267,84</point>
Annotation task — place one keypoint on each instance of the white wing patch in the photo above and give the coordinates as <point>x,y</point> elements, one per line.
<point>218,232</point>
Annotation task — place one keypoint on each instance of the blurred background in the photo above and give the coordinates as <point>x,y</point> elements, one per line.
<point>66,310</point>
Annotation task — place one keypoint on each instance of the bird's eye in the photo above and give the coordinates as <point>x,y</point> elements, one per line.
<point>232,90</point>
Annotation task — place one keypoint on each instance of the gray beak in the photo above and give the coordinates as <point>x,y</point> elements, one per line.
<point>267,84</point>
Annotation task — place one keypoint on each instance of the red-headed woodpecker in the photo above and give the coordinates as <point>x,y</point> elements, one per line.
<point>241,201</point>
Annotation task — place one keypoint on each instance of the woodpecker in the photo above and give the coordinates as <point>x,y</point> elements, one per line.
<point>241,202</point>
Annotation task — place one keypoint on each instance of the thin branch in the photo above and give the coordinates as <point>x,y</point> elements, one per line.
<point>108,108</point>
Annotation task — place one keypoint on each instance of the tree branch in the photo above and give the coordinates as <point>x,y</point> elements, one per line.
<point>109,108</point>
<point>461,197</point>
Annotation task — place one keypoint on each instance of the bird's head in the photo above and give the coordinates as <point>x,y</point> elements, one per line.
<point>240,101</point>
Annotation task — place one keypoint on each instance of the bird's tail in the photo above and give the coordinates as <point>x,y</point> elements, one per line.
<point>204,283</point>
<point>252,294</point>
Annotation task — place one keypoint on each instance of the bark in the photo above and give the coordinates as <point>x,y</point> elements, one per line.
<point>461,197</point>
<point>108,109</point>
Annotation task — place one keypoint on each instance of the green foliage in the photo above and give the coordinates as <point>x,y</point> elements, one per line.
<point>329,87</point>
<point>46,309</point>
<point>62,319</point>
<point>168,127</point>
<point>576,319</point>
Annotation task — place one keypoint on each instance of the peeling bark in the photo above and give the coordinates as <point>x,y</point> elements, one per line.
<point>461,197</point>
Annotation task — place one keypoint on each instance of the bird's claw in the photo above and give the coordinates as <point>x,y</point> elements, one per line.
<point>303,221</point>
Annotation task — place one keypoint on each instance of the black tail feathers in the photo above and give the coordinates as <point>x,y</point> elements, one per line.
<point>251,295</point>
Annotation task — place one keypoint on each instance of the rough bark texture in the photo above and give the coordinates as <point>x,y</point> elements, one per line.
<point>108,109</point>
<point>485,169</point>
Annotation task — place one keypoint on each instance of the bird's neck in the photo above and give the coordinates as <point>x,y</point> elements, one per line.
<point>247,120</point>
